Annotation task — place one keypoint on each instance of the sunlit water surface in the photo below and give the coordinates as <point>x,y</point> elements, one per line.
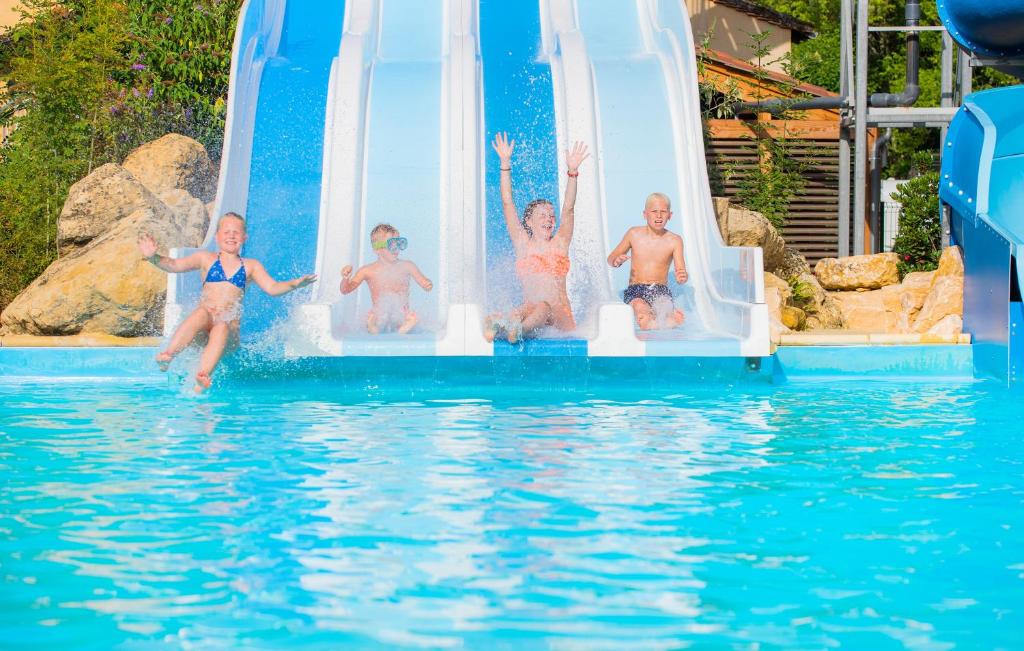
<point>302,515</point>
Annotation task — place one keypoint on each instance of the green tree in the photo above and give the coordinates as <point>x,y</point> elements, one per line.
<point>919,239</point>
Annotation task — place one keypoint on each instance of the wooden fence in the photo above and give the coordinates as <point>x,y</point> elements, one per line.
<point>812,226</point>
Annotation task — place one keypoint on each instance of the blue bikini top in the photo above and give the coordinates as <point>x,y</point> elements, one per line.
<point>216,274</point>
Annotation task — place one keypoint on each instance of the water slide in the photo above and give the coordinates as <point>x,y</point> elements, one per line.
<point>982,184</point>
<point>344,115</point>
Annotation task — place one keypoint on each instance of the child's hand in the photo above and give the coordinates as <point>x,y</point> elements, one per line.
<point>346,272</point>
<point>617,262</point>
<point>503,146</point>
<point>308,279</point>
<point>428,286</point>
<point>574,157</point>
<point>682,276</point>
<point>147,245</point>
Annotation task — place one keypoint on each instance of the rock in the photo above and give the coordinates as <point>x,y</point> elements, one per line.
<point>188,209</point>
<point>106,286</point>
<point>792,264</point>
<point>775,301</point>
<point>98,202</point>
<point>876,310</point>
<point>913,291</point>
<point>721,207</point>
<point>951,324</point>
<point>744,227</point>
<point>946,294</point>
<point>858,271</point>
<point>823,312</point>
<point>793,317</point>
<point>174,162</point>
<point>772,281</point>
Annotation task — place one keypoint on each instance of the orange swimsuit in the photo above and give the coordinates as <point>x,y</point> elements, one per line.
<point>553,263</point>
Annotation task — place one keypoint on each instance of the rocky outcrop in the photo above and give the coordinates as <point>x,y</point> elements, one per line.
<point>106,286</point>
<point>946,293</point>
<point>777,294</point>
<point>872,311</point>
<point>792,264</point>
<point>742,227</point>
<point>858,272</point>
<point>101,284</point>
<point>793,317</point>
<point>174,162</point>
<point>97,202</point>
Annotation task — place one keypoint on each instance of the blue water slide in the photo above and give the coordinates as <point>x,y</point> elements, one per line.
<point>625,80</point>
<point>271,168</point>
<point>982,184</point>
<point>402,147</point>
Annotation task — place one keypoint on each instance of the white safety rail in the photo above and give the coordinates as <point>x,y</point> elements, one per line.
<point>402,146</point>
<point>626,82</point>
<point>256,40</point>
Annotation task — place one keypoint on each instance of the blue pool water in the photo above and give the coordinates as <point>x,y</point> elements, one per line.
<point>302,514</point>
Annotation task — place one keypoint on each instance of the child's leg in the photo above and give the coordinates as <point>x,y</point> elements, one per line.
<point>643,313</point>
<point>666,313</point>
<point>409,323</point>
<point>492,325</point>
<point>561,318</point>
<point>533,316</point>
<point>210,357</point>
<point>372,326</point>
<point>195,323</point>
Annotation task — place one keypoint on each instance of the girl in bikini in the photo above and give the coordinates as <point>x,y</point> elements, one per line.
<point>542,254</point>
<point>220,303</point>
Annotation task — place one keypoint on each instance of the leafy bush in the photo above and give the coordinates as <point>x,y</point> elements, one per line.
<point>771,186</point>
<point>93,79</point>
<point>919,240</point>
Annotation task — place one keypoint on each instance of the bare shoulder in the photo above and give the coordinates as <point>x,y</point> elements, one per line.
<point>252,264</point>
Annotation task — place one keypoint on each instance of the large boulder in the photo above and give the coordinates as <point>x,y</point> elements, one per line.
<point>742,227</point>
<point>106,286</point>
<point>858,272</point>
<point>913,290</point>
<point>97,202</point>
<point>776,294</point>
<point>174,162</point>
<point>946,294</point>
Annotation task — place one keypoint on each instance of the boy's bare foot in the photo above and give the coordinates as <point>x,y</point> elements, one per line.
<point>408,324</point>
<point>203,381</point>
<point>371,324</point>
<point>514,332</point>
<point>678,317</point>
<point>163,360</point>
<point>646,321</point>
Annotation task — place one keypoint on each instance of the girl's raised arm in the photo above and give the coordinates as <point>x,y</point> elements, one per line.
<point>573,159</point>
<point>148,247</point>
<point>503,146</point>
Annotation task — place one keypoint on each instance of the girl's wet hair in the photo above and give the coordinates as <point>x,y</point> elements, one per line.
<point>231,215</point>
<point>530,208</point>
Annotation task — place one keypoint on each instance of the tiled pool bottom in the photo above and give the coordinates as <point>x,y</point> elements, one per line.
<point>307,514</point>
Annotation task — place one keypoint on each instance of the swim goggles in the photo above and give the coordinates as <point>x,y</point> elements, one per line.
<point>393,244</point>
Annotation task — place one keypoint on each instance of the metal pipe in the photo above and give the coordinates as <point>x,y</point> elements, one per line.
<point>860,138</point>
<point>878,154</point>
<point>911,89</point>
<point>780,105</point>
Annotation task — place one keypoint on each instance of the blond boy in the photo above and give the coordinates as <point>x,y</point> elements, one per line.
<point>654,249</point>
<point>388,280</point>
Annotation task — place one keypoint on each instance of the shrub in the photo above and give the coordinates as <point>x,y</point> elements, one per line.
<point>919,239</point>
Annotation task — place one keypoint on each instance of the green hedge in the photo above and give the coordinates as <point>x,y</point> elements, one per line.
<point>92,80</point>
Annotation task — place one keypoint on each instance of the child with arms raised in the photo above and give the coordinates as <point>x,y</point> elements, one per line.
<point>542,253</point>
<point>220,303</point>
<point>654,249</point>
<point>388,279</point>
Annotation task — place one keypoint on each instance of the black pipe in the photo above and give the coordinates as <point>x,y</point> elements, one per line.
<point>911,90</point>
<point>907,97</point>
<point>877,163</point>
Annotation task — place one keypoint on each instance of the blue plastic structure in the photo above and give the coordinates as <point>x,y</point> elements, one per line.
<point>346,114</point>
<point>982,183</point>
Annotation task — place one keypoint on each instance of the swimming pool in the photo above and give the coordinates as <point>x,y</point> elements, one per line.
<point>315,514</point>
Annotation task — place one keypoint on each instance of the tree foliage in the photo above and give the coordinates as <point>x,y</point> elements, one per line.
<point>86,82</point>
<point>919,239</point>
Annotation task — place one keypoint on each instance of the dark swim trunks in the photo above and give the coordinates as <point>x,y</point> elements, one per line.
<point>646,293</point>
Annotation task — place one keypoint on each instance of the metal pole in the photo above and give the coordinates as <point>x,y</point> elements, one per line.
<point>845,78</point>
<point>946,83</point>
<point>861,135</point>
<point>964,68</point>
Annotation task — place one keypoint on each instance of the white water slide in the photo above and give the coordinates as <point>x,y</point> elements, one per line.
<point>405,141</point>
